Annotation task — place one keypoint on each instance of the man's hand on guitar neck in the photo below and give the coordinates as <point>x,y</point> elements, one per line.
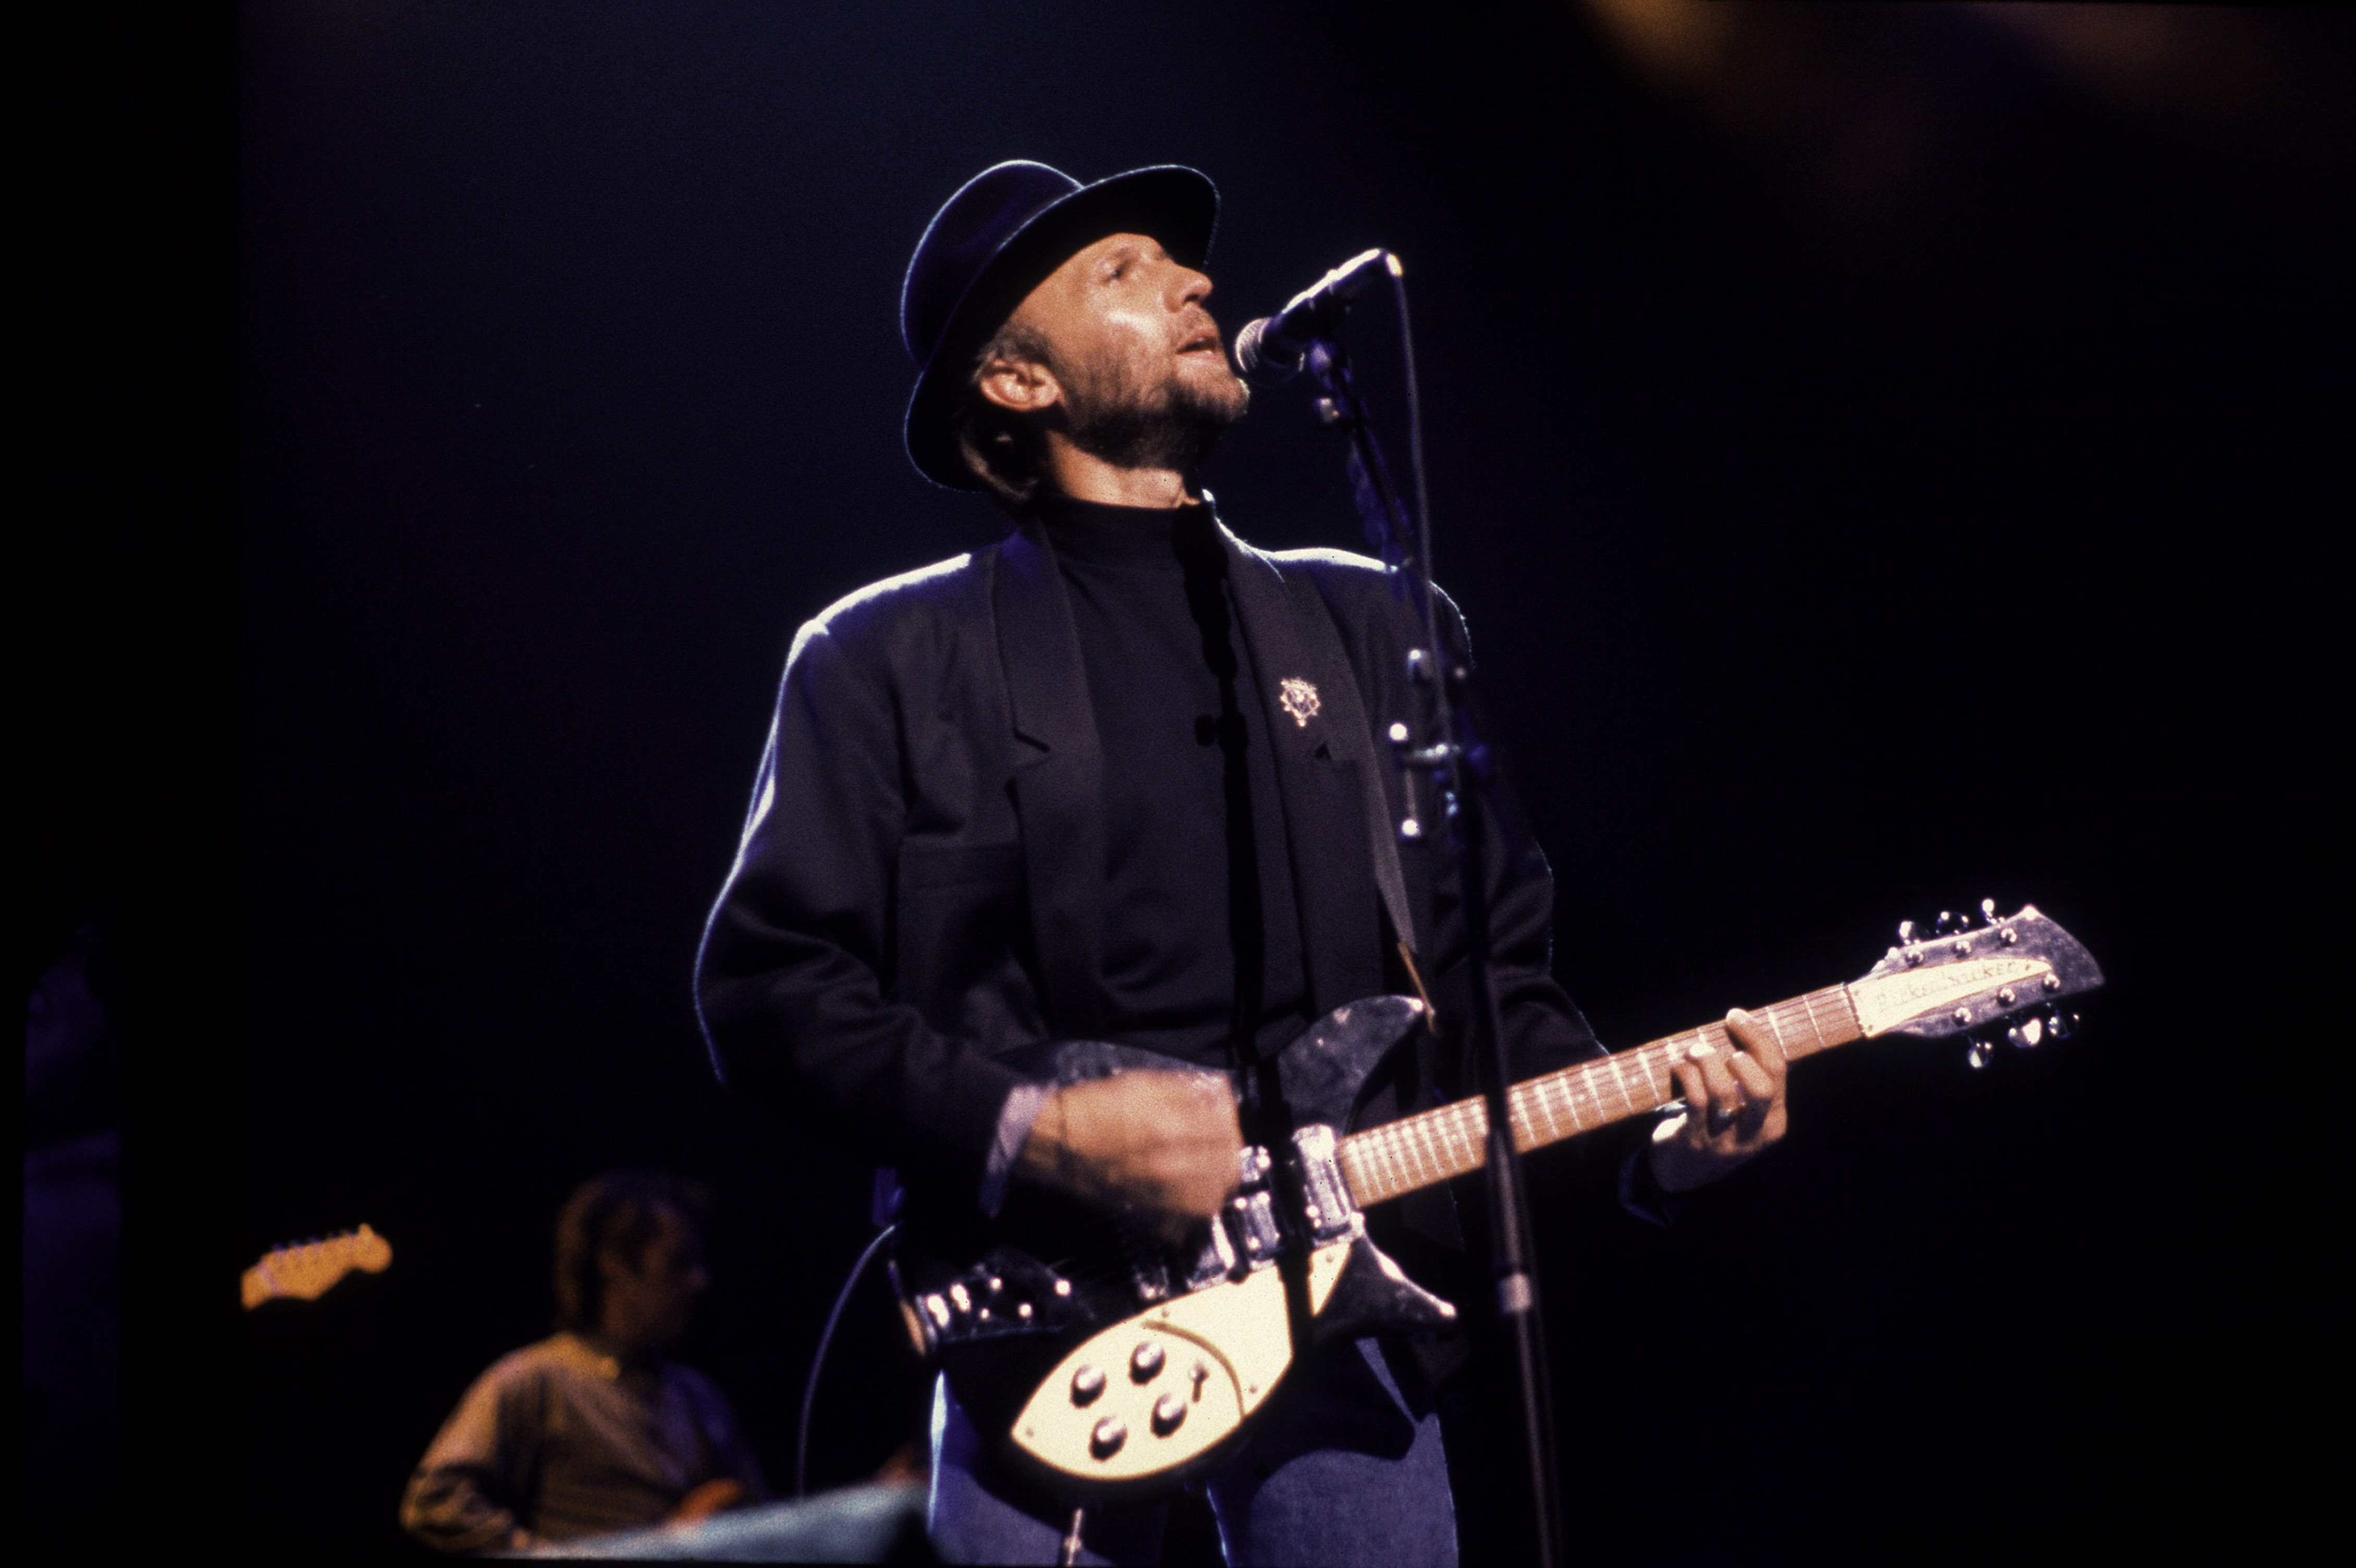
<point>1161,1148</point>
<point>1734,1108</point>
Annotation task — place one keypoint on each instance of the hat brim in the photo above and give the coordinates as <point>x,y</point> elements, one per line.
<point>1176,204</point>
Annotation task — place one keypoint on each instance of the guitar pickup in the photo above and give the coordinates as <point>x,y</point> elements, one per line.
<point>1327,1211</point>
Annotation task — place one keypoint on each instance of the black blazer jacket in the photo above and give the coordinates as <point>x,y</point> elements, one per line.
<point>920,884</point>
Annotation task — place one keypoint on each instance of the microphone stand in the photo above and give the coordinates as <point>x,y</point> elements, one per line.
<point>1454,751</point>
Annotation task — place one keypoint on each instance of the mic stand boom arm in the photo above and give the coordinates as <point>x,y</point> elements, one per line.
<point>1454,750</point>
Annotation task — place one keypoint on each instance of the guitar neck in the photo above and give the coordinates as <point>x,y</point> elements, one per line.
<point>1418,1151</point>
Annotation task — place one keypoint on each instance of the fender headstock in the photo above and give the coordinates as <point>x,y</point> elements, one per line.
<point>306,1271</point>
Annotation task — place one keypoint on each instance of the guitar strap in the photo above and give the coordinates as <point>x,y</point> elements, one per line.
<point>1317,638</point>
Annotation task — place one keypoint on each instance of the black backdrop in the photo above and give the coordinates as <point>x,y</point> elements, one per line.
<point>1884,454</point>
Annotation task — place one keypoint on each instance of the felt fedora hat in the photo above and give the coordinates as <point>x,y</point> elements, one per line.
<point>993,242</point>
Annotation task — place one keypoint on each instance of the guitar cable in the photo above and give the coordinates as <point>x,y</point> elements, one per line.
<point>818,1362</point>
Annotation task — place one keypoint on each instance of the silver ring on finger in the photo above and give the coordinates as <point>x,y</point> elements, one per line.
<point>1723,1118</point>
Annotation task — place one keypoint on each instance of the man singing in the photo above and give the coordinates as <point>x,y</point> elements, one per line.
<point>1113,778</point>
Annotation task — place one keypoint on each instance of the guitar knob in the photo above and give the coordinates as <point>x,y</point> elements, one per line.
<point>1145,1362</point>
<point>1168,1411</point>
<point>1109,1434</point>
<point>1086,1383</point>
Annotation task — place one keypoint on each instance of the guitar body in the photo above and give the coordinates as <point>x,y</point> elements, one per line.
<point>1113,1367</point>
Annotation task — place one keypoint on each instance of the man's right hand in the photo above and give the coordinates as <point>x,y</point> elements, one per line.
<point>1162,1148</point>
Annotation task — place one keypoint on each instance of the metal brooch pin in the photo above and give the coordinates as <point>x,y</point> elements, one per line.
<point>1297,697</point>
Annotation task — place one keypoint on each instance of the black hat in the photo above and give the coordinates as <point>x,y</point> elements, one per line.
<point>998,238</point>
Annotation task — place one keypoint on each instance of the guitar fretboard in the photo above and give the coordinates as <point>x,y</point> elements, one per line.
<point>1417,1151</point>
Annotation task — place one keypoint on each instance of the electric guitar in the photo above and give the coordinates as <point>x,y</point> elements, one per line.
<point>306,1271</point>
<point>1110,1367</point>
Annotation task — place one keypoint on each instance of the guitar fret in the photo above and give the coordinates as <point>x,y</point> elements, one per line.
<point>1528,1103</point>
<point>1440,1136</point>
<point>1586,1084</point>
<point>1776,1024</point>
<point>1401,1165</point>
<point>1570,1098</point>
<point>1619,1082</point>
<point>1465,1150</point>
<point>1567,1085</point>
<point>1380,1168</point>
<point>1657,1077</point>
<point>1434,1145</point>
<point>1425,1133</point>
<point>1397,1170</point>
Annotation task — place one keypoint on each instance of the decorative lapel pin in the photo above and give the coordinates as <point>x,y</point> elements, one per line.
<point>1297,697</point>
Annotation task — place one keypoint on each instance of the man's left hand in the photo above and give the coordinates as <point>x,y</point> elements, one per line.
<point>1734,1107</point>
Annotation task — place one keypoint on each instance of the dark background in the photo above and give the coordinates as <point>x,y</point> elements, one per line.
<point>1886,455</point>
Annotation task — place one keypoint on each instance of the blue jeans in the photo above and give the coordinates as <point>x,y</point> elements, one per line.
<point>1340,1469</point>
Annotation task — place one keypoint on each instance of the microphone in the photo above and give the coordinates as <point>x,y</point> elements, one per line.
<point>1268,350</point>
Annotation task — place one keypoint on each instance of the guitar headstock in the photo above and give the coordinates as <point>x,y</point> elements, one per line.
<point>307,1270</point>
<point>2007,977</point>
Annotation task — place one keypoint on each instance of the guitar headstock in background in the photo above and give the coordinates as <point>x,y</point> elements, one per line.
<point>2009,978</point>
<point>307,1270</point>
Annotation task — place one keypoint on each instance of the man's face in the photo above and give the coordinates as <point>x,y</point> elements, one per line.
<point>1141,378</point>
<point>647,1301</point>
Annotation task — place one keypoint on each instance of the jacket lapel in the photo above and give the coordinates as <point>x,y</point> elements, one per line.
<point>1058,778</point>
<point>1325,757</point>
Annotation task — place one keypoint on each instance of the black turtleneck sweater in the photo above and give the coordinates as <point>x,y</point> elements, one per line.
<point>1199,908</point>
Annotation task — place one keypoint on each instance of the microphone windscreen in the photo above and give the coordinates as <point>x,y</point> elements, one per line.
<point>1255,362</point>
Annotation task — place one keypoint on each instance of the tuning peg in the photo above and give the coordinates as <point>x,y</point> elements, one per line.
<point>1905,934</point>
<point>2026,1035</point>
<point>1980,1054</point>
<point>1947,923</point>
<point>2061,1025</point>
<point>1987,912</point>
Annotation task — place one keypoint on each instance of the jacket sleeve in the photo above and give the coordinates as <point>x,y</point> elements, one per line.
<point>793,979</point>
<point>469,1491</point>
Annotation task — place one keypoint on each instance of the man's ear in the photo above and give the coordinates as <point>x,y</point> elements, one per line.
<point>1023,386</point>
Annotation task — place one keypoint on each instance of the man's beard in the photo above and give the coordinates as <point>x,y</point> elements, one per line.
<point>1174,425</point>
